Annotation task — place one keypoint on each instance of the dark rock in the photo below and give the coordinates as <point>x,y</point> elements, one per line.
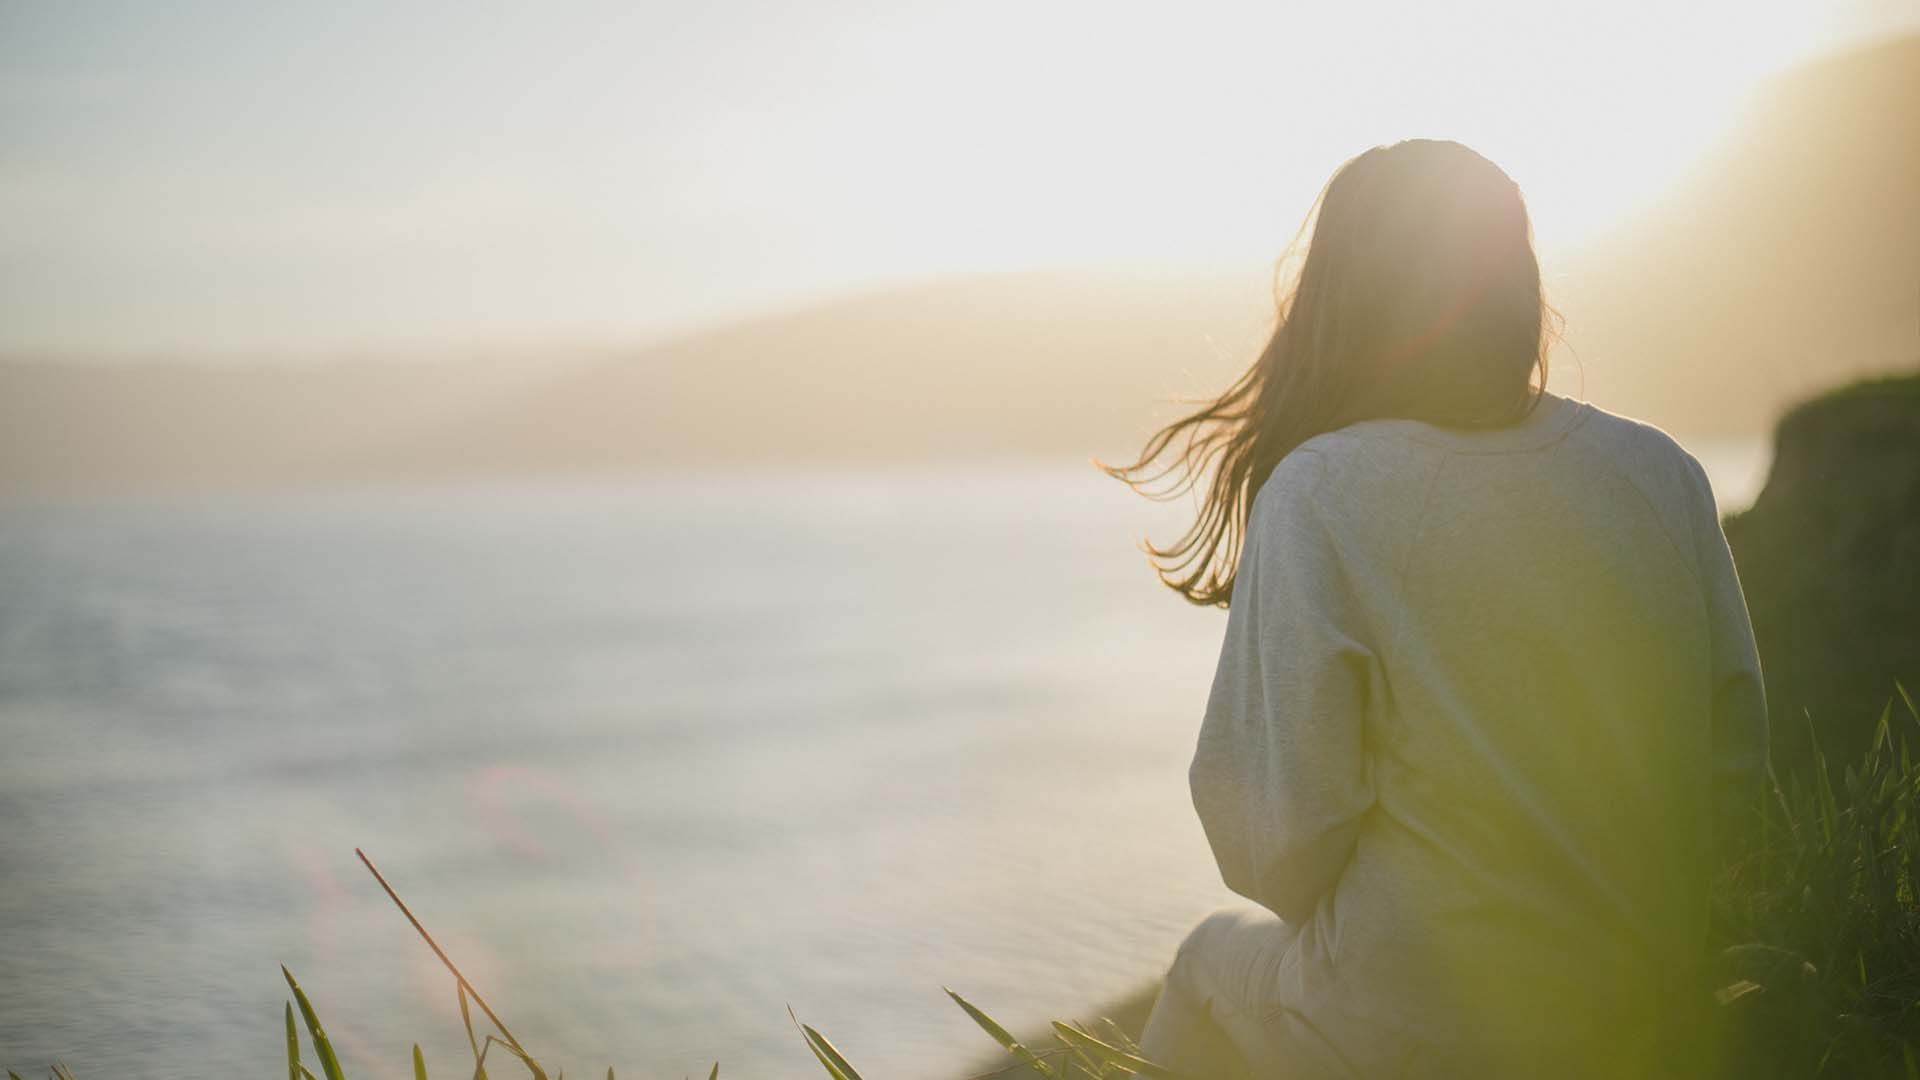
<point>1829,557</point>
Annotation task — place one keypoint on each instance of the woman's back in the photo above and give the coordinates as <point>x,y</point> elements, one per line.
<point>1488,708</point>
<point>1477,692</point>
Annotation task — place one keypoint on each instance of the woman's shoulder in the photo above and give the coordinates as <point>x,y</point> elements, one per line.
<point>1559,423</point>
<point>1348,478</point>
<point>1361,456</point>
<point>1649,455</point>
<point>1628,430</point>
<point>1381,470</point>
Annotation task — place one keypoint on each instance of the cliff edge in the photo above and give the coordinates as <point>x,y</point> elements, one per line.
<point>1829,558</point>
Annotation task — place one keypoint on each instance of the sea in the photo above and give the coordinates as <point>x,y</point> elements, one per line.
<point>666,763</point>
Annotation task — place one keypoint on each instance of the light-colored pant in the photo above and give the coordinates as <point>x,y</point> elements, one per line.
<point>1216,1017</point>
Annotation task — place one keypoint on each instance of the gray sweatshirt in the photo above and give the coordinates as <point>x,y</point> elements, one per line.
<point>1487,706</point>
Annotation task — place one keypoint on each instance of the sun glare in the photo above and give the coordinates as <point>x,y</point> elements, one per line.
<point>1623,113</point>
<point>777,156</point>
<point>1094,135</point>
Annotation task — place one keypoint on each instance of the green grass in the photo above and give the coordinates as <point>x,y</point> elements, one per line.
<point>1816,927</point>
<point>1820,927</point>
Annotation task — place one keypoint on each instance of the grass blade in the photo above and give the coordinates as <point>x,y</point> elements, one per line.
<point>1000,1035</point>
<point>466,1020</point>
<point>465,986</point>
<point>1120,1037</point>
<point>1829,809</point>
<point>1089,1064</point>
<point>293,1046</point>
<point>329,1062</point>
<point>532,1065</point>
<point>830,1058</point>
<point>827,1052</point>
<point>1137,1065</point>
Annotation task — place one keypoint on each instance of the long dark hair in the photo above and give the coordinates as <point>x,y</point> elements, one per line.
<point>1419,297</point>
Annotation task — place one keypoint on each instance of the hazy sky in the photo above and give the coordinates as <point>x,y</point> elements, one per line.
<point>305,178</point>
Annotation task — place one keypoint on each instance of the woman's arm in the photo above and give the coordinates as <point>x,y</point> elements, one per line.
<point>1280,778</point>
<point>1743,780</point>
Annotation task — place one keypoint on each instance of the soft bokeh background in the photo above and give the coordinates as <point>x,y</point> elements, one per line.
<point>625,466</point>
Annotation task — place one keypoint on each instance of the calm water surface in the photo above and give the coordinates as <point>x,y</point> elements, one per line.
<point>655,758</point>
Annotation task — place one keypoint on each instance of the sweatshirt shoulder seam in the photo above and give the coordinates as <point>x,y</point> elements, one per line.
<point>1688,559</point>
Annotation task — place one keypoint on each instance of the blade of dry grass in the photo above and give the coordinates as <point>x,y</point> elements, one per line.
<point>465,983</point>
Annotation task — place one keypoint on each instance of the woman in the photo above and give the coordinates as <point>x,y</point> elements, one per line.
<point>1488,711</point>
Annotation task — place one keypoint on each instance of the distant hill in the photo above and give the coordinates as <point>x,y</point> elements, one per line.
<point>1004,365</point>
<point>1009,365</point>
<point>69,428</point>
<point>1787,262</point>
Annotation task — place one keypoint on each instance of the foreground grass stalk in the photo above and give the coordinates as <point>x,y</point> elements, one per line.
<point>322,1046</point>
<point>293,1046</point>
<point>465,983</point>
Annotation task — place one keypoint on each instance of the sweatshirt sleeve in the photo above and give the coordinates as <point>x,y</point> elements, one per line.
<point>1743,779</point>
<point>1280,777</point>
